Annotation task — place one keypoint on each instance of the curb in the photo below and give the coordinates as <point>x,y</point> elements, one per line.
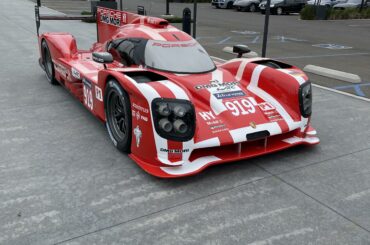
<point>335,74</point>
<point>248,55</point>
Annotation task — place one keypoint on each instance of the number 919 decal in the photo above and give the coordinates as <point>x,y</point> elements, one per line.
<point>241,107</point>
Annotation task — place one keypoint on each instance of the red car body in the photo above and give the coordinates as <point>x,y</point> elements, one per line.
<point>242,108</point>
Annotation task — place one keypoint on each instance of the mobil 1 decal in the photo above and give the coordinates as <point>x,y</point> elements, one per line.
<point>88,96</point>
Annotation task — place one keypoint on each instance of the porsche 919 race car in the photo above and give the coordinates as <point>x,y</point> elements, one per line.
<point>169,105</point>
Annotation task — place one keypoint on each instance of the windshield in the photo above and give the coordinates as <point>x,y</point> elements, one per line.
<point>178,57</point>
<point>354,1</point>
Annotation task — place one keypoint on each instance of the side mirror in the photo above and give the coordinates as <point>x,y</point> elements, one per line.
<point>241,49</point>
<point>103,58</point>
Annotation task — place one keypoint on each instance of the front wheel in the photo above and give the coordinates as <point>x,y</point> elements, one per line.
<point>252,8</point>
<point>48,64</point>
<point>118,115</point>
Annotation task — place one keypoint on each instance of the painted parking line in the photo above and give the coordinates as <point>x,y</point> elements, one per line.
<point>224,40</point>
<point>331,46</point>
<point>320,56</point>
<point>356,87</point>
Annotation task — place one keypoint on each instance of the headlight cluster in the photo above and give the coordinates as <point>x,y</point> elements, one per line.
<point>174,119</point>
<point>305,99</point>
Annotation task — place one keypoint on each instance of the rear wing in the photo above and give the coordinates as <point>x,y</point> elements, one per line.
<point>39,17</point>
<point>107,20</point>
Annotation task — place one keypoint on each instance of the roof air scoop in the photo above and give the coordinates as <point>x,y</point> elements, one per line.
<point>151,21</point>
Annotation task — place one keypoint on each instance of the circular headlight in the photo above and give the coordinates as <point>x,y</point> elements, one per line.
<point>179,111</point>
<point>180,126</point>
<point>165,125</point>
<point>164,109</point>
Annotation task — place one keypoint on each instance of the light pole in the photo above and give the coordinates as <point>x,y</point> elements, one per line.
<point>266,28</point>
<point>195,19</point>
<point>167,7</point>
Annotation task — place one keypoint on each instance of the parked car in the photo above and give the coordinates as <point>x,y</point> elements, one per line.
<point>280,7</point>
<point>327,3</point>
<point>247,5</point>
<point>351,4</point>
<point>224,4</point>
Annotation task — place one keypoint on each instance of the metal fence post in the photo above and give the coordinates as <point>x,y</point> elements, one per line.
<point>186,20</point>
<point>266,28</point>
<point>195,19</point>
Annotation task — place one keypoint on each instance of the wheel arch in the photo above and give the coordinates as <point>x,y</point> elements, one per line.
<point>61,45</point>
<point>106,75</point>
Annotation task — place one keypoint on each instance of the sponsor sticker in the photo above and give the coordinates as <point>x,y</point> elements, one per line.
<point>110,17</point>
<point>76,74</point>
<point>228,95</point>
<point>174,150</point>
<point>219,86</point>
<point>138,134</point>
<point>63,71</point>
<point>98,93</point>
<point>139,116</point>
<point>140,108</point>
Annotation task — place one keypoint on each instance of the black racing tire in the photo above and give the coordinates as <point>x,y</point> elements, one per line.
<point>229,5</point>
<point>118,115</point>
<point>252,8</point>
<point>263,11</point>
<point>48,64</point>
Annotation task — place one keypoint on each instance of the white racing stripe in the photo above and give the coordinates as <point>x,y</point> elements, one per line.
<point>151,33</point>
<point>150,93</point>
<point>299,79</point>
<point>253,86</point>
<point>216,104</point>
<point>190,167</point>
<point>312,132</point>
<point>239,135</point>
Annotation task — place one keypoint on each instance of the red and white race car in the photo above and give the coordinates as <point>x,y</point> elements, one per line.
<point>168,104</point>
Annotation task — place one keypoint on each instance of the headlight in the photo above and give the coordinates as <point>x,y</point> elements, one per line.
<point>305,99</point>
<point>174,119</point>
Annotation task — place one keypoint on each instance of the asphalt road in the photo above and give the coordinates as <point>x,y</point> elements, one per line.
<point>341,45</point>
<point>63,182</point>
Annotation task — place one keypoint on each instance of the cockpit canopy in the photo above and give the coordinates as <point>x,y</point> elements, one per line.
<point>177,57</point>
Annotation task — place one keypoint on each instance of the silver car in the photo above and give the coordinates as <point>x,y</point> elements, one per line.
<point>247,5</point>
<point>224,4</point>
<point>351,4</point>
<point>327,3</point>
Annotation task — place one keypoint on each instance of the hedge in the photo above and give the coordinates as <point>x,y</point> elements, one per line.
<point>309,13</point>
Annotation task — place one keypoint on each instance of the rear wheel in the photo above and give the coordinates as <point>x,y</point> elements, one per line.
<point>48,64</point>
<point>118,115</point>
<point>279,11</point>
<point>229,5</point>
<point>252,8</point>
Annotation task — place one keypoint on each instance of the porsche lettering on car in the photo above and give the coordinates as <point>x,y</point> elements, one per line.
<point>169,105</point>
